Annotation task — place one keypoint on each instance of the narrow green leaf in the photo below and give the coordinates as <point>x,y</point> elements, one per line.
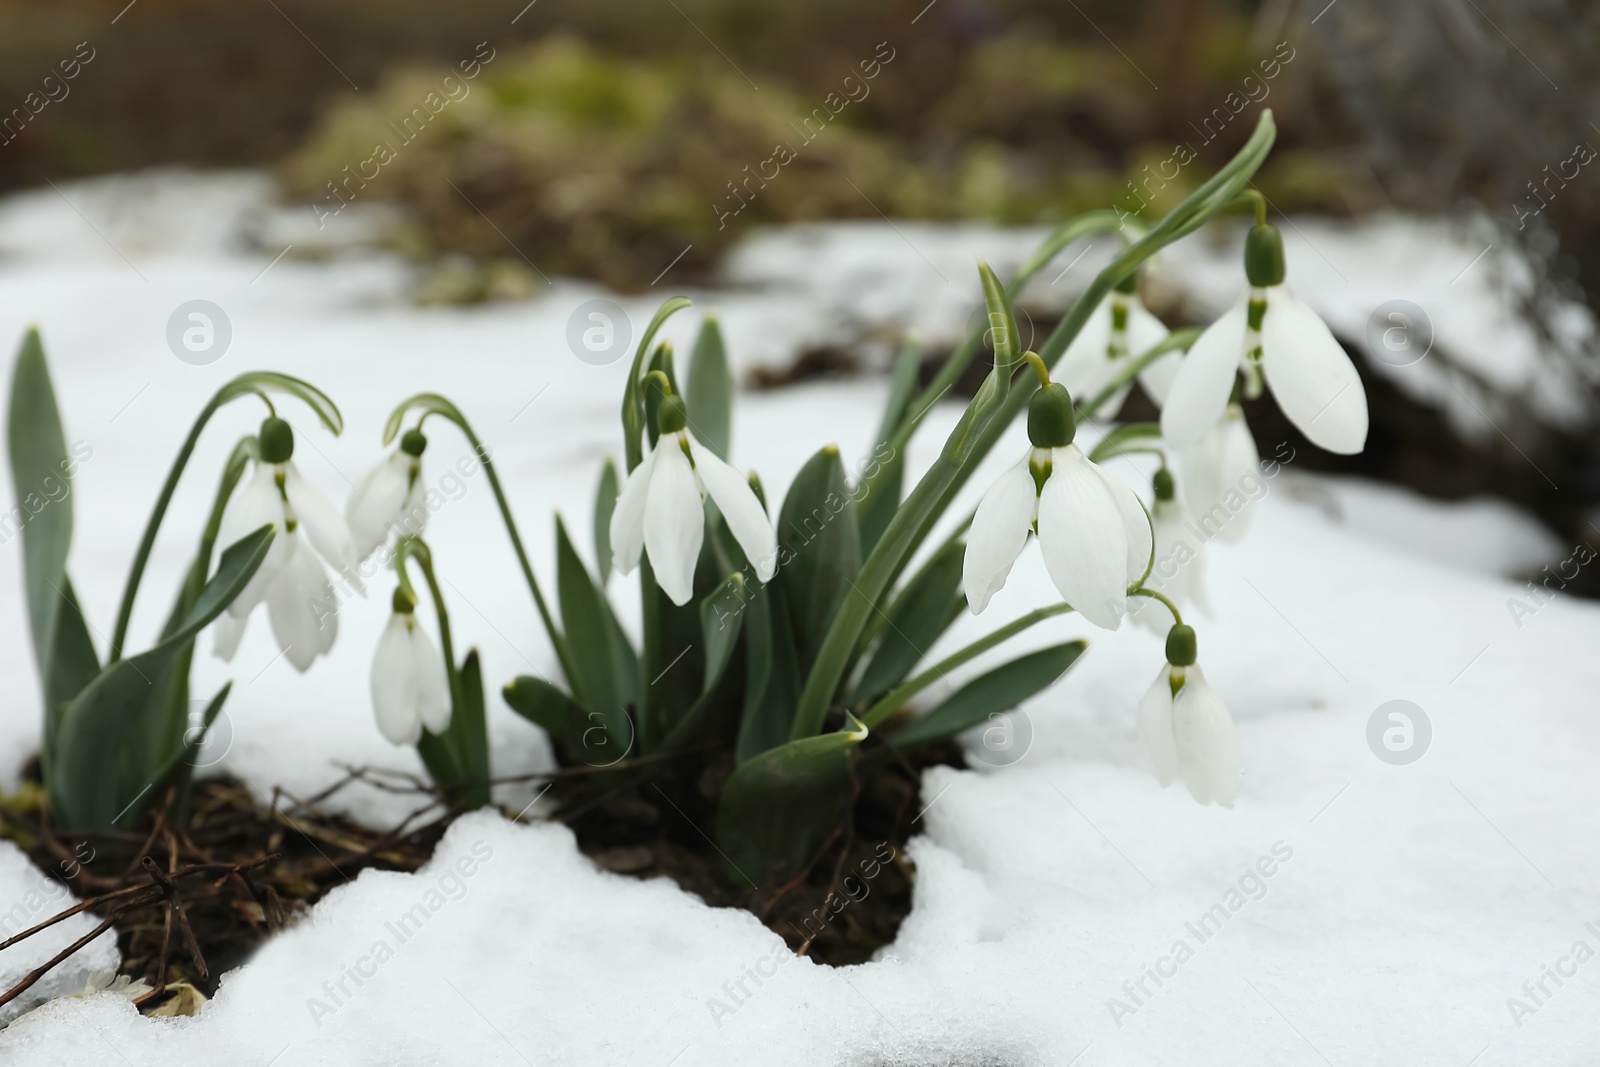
<point>999,690</point>
<point>41,475</point>
<point>772,679</point>
<point>605,504</point>
<point>710,393</point>
<point>1132,437</point>
<point>721,619</point>
<point>777,808</point>
<point>819,549</point>
<point>923,611</point>
<point>578,733</point>
<point>883,480</point>
<point>469,734</point>
<point>92,784</point>
<point>632,401</point>
<point>590,638</point>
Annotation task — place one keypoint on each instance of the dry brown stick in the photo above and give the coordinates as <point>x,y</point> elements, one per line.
<point>43,969</point>
<point>175,905</point>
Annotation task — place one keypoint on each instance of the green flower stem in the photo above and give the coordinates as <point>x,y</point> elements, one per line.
<point>252,384</point>
<point>906,690</point>
<point>1140,590</point>
<point>633,395</point>
<point>434,404</point>
<point>981,425</point>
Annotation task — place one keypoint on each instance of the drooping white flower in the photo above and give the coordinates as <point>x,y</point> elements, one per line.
<point>1092,530</point>
<point>1116,331</point>
<point>1186,730</point>
<point>409,687</point>
<point>301,603</point>
<point>1179,568</point>
<point>660,509</point>
<point>1222,477</point>
<point>1270,333</point>
<point>390,496</point>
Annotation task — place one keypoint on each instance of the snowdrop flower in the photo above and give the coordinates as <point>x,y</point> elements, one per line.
<point>1185,728</point>
<point>1222,477</point>
<point>1092,529</point>
<point>390,493</point>
<point>409,688</point>
<point>1179,569</point>
<point>1116,331</point>
<point>301,603</point>
<point>1270,332</point>
<point>660,509</point>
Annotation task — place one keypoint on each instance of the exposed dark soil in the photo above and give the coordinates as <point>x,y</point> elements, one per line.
<point>192,896</point>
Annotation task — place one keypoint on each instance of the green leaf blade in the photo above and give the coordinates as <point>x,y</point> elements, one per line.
<point>709,395</point>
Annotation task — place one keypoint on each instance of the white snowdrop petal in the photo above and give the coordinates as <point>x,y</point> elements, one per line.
<point>1000,529</point>
<point>1136,523</point>
<point>1080,367</point>
<point>1208,743</point>
<point>324,527</point>
<point>674,521</point>
<point>1176,561</point>
<point>1084,539</point>
<point>254,504</point>
<point>378,500</point>
<point>1222,478</point>
<point>627,520</point>
<point>741,509</point>
<point>1311,375</point>
<point>226,634</point>
<point>297,607</point>
<point>430,688</point>
<point>391,685</point>
<point>1204,379</point>
<point>1155,729</point>
<point>1145,331</point>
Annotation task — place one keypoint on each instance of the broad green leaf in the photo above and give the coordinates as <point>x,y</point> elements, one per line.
<point>577,732</point>
<point>468,737</point>
<point>591,637</point>
<point>710,393</point>
<point>999,690</point>
<point>916,618</point>
<point>778,808</point>
<point>819,549</point>
<point>92,782</point>
<point>605,504</point>
<point>175,770</point>
<point>721,619</point>
<point>1132,437</point>
<point>772,679</point>
<point>41,475</point>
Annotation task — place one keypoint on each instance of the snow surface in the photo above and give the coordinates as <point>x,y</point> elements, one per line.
<point>1405,904</point>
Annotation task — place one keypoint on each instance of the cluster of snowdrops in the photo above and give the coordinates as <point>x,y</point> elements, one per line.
<point>818,669</point>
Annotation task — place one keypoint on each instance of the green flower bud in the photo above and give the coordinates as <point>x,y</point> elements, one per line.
<point>412,443</point>
<point>1162,483</point>
<point>671,416</point>
<point>1051,422</point>
<point>1181,646</point>
<point>276,440</point>
<point>403,604</point>
<point>1263,256</point>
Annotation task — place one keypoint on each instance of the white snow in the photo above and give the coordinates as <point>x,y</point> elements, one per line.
<point>1405,904</point>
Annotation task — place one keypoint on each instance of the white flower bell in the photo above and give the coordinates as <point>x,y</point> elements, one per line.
<point>1093,532</point>
<point>301,603</point>
<point>660,509</point>
<point>409,687</point>
<point>1222,477</point>
<point>1271,333</point>
<point>1179,569</point>
<point>1116,331</point>
<point>1185,728</point>
<point>390,496</point>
